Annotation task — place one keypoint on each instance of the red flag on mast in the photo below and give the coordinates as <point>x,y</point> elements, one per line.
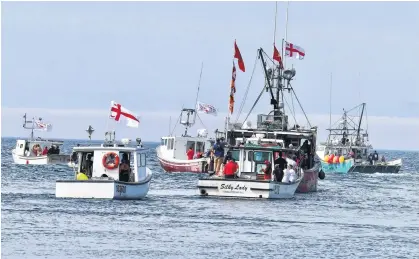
<point>277,57</point>
<point>238,55</point>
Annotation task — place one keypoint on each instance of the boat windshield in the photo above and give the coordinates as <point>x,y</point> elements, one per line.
<point>235,154</point>
<point>259,156</point>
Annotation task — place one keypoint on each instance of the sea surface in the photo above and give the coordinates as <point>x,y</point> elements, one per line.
<point>351,216</point>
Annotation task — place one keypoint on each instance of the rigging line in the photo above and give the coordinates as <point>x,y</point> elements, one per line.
<point>201,121</point>
<point>293,108</point>
<point>293,115</point>
<point>171,133</point>
<point>309,124</point>
<point>247,90</point>
<point>263,89</point>
<point>199,83</point>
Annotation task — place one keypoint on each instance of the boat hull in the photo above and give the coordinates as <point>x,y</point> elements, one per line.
<point>309,182</point>
<point>349,166</point>
<point>102,189</point>
<point>246,188</point>
<point>40,160</point>
<point>338,167</point>
<point>182,166</point>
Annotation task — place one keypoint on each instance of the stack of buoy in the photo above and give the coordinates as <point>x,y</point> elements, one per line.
<point>332,159</point>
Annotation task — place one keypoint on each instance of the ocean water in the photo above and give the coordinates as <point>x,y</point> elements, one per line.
<point>351,216</point>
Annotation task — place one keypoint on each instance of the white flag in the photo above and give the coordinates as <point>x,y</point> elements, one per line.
<point>206,108</point>
<point>117,111</point>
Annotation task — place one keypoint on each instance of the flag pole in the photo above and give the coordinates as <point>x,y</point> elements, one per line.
<point>197,92</point>
<point>286,34</point>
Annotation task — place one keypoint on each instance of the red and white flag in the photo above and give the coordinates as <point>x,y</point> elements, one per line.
<point>232,89</point>
<point>294,51</point>
<point>277,57</point>
<point>117,111</point>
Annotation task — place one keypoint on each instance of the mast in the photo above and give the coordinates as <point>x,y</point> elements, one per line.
<point>25,122</point>
<point>197,91</point>
<point>359,123</point>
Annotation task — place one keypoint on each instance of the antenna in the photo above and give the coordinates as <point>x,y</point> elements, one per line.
<point>197,92</point>
<point>330,102</point>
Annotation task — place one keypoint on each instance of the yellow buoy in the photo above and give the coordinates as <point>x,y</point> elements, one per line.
<point>341,159</point>
<point>326,158</point>
<point>82,177</point>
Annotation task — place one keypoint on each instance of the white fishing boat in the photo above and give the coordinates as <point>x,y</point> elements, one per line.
<point>101,173</point>
<point>249,181</point>
<point>38,151</point>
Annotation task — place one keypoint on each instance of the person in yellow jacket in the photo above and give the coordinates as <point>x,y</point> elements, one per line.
<point>81,177</point>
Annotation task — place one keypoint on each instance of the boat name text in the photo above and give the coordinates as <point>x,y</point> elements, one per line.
<point>233,187</point>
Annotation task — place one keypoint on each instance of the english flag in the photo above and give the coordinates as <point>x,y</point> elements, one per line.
<point>238,55</point>
<point>117,111</point>
<point>294,51</point>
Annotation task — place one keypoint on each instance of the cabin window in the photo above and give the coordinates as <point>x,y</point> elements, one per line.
<point>142,160</point>
<point>261,156</point>
<point>200,147</point>
<point>250,156</point>
<point>235,154</point>
<point>162,142</point>
<point>190,144</point>
<point>170,143</point>
<point>21,146</point>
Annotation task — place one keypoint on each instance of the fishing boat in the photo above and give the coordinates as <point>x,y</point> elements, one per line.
<point>38,151</point>
<point>172,152</point>
<point>348,149</point>
<point>273,130</point>
<point>249,180</point>
<point>99,174</point>
<point>110,171</point>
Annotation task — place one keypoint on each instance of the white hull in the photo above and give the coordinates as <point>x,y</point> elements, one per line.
<point>103,189</point>
<point>39,160</point>
<point>247,188</point>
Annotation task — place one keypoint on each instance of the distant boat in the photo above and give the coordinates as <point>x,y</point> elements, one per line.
<point>30,151</point>
<point>347,148</point>
<point>172,150</point>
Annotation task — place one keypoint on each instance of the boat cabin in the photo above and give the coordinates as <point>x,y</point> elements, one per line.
<point>176,147</point>
<point>251,159</point>
<point>35,147</point>
<point>115,162</point>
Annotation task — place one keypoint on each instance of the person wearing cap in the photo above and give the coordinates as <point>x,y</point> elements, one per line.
<point>219,154</point>
<point>230,168</point>
<point>267,170</point>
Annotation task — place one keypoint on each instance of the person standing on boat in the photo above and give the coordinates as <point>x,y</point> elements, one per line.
<point>370,158</point>
<point>281,164</point>
<point>289,174</point>
<point>219,154</point>
<point>190,153</point>
<point>230,169</point>
<point>375,157</point>
<point>267,170</point>
<point>45,151</point>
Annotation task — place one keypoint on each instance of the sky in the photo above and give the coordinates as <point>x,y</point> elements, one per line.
<point>66,61</point>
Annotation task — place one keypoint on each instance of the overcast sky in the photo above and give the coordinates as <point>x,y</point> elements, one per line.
<point>65,62</point>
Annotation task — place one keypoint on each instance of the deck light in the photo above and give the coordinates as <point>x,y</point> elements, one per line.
<point>289,74</point>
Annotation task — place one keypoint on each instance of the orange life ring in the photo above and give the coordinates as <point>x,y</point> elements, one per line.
<point>110,163</point>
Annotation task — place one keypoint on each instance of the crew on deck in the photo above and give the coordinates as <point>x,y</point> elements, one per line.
<point>124,168</point>
<point>190,153</point>
<point>230,169</point>
<point>267,170</point>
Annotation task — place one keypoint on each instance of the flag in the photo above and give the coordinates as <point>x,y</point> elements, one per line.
<point>42,126</point>
<point>238,55</point>
<point>232,89</point>
<point>277,57</point>
<point>206,108</point>
<point>295,51</point>
<point>117,111</point>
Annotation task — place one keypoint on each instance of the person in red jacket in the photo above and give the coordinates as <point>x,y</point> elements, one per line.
<point>45,151</point>
<point>267,170</point>
<point>230,169</point>
<point>190,153</point>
